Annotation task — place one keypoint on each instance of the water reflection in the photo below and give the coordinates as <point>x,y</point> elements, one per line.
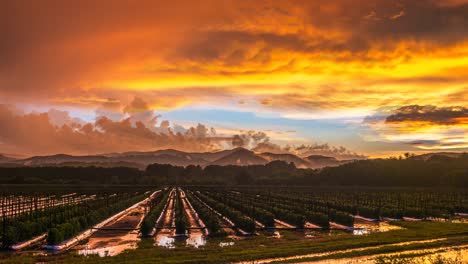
<point>276,234</point>
<point>165,241</point>
<point>226,244</point>
<point>109,246</point>
<point>107,251</point>
<point>449,255</point>
<point>196,241</point>
<point>368,228</point>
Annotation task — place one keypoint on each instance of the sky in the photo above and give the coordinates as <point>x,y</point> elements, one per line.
<point>350,79</point>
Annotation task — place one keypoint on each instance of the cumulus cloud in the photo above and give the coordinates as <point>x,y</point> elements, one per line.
<point>60,118</point>
<point>250,139</point>
<point>35,134</point>
<point>56,131</point>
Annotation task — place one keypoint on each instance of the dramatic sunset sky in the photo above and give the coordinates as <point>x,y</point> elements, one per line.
<point>347,78</point>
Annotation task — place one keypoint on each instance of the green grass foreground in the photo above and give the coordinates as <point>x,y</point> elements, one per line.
<point>260,247</point>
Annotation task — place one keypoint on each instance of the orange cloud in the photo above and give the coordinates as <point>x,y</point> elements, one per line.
<point>424,127</point>
<point>300,59</point>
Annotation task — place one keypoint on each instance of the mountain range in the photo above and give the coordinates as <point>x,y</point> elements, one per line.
<point>236,156</point>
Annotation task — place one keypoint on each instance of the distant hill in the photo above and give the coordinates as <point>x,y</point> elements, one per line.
<point>299,162</point>
<point>437,170</point>
<point>428,156</point>
<point>60,158</point>
<point>319,161</point>
<point>240,157</point>
<point>141,159</point>
<point>5,158</point>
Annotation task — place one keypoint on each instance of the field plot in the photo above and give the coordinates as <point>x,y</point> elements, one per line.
<point>116,236</point>
<point>196,227</point>
<point>166,226</point>
<point>259,223</point>
<point>13,206</point>
<point>53,221</point>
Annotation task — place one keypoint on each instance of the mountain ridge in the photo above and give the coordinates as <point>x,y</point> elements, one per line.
<point>236,156</point>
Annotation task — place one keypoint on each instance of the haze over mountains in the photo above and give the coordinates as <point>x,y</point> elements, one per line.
<point>236,156</point>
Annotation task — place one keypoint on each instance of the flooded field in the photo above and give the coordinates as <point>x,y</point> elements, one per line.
<point>426,256</point>
<point>112,239</point>
<point>189,220</point>
<point>196,229</point>
<point>166,229</point>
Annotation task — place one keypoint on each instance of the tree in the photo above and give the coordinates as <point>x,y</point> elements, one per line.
<point>243,178</point>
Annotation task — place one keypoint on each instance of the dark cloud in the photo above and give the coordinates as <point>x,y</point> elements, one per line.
<point>64,46</point>
<point>368,25</point>
<point>440,115</point>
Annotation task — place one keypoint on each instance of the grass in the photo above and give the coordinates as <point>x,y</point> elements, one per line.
<point>260,247</point>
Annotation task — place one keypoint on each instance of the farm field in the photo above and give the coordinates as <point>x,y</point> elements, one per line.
<point>221,224</point>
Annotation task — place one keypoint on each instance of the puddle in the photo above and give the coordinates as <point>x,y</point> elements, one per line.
<point>273,234</point>
<point>109,246</point>
<point>107,251</point>
<point>457,255</point>
<point>324,254</point>
<point>369,228</point>
<point>196,241</point>
<point>226,244</point>
<point>116,239</point>
<point>165,241</point>
<point>276,234</point>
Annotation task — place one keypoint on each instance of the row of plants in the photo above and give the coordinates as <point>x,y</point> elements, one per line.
<point>246,206</point>
<point>16,205</point>
<point>260,205</point>
<point>292,213</point>
<point>209,218</point>
<point>240,220</point>
<point>295,213</point>
<point>68,218</point>
<point>181,222</point>
<point>375,205</point>
<point>75,225</point>
<point>156,208</point>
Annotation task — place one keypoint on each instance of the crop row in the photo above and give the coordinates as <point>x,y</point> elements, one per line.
<point>13,206</point>
<point>208,217</point>
<point>156,208</point>
<point>295,214</point>
<point>371,204</point>
<point>181,222</point>
<point>239,218</point>
<point>62,222</point>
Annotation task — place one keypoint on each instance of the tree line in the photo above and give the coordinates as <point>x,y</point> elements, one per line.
<point>410,171</point>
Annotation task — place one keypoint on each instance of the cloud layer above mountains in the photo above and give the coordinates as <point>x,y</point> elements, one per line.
<point>139,128</point>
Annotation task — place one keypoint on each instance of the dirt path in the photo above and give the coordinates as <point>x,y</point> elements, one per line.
<point>166,229</point>
<point>116,237</point>
<point>196,235</point>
